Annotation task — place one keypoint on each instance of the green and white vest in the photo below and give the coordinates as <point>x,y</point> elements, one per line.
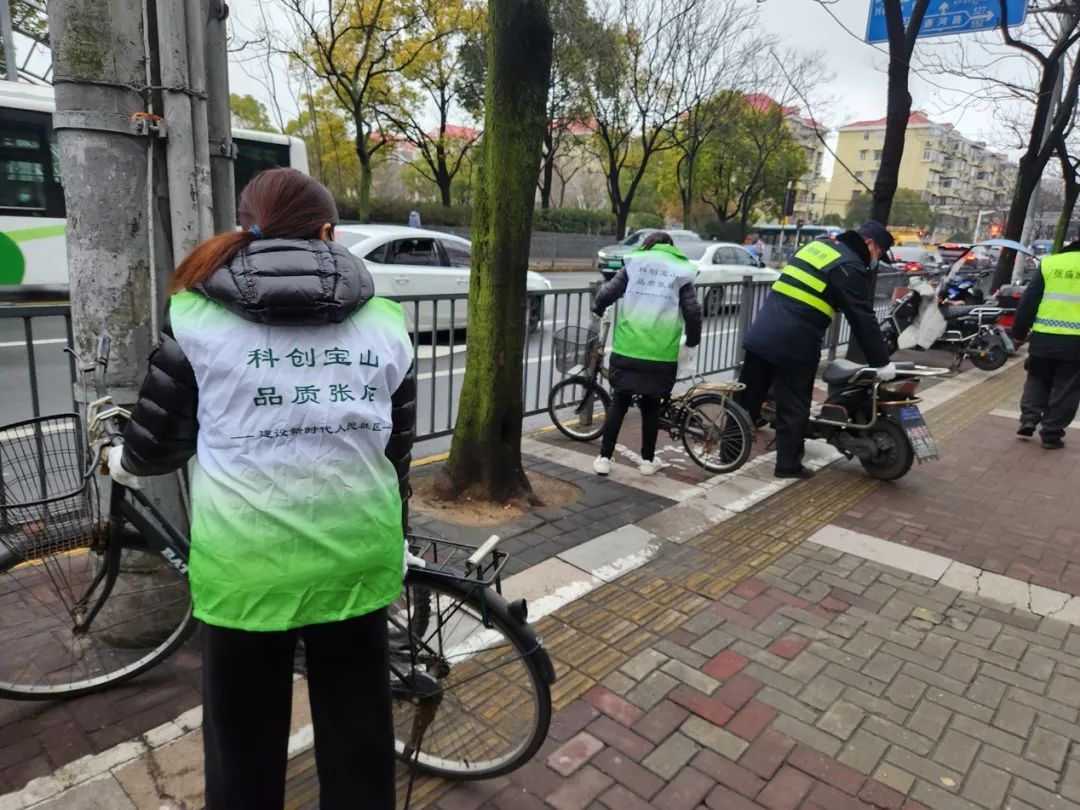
<point>650,323</point>
<point>296,513</point>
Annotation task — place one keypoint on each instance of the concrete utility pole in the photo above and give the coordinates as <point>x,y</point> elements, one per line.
<point>98,56</point>
<point>7,40</point>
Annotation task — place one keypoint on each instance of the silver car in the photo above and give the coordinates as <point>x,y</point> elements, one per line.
<point>418,262</point>
<point>609,259</point>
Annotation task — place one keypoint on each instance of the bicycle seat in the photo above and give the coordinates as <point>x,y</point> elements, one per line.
<point>840,371</point>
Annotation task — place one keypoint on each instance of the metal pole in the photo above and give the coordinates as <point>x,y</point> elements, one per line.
<point>219,118</point>
<point>197,13</point>
<point>7,39</point>
<point>179,148</point>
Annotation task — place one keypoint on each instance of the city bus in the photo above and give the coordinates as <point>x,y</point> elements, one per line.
<point>780,239</point>
<point>32,213</point>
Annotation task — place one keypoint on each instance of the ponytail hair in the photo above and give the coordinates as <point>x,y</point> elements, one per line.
<point>657,238</point>
<point>276,204</point>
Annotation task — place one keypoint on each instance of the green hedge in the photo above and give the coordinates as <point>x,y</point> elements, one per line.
<point>644,219</point>
<point>556,220</point>
<point>573,220</point>
<point>396,212</point>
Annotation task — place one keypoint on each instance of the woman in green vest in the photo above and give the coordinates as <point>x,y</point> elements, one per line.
<point>291,384</point>
<point>656,287</point>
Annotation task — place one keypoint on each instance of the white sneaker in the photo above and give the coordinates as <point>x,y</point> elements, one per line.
<point>649,467</point>
<point>601,465</point>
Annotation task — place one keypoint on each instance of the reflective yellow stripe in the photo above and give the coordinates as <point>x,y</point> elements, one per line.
<point>811,281</point>
<point>818,254</point>
<point>804,296</point>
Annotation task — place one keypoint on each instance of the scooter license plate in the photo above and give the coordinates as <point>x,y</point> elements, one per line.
<point>922,441</point>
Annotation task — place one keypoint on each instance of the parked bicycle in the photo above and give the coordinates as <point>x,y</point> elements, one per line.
<point>715,431</point>
<point>90,601</point>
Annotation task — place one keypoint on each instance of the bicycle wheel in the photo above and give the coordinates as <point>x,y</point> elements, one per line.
<point>42,601</point>
<point>717,433</point>
<point>578,406</point>
<point>474,692</point>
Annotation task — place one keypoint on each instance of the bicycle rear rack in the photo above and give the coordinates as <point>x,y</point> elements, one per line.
<point>451,560</point>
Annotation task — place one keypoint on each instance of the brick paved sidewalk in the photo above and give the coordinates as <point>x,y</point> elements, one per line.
<point>827,682</point>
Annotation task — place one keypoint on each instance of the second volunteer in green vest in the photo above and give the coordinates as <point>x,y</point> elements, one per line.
<point>656,286</point>
<point>783,344</point>
<point>1050,311</point>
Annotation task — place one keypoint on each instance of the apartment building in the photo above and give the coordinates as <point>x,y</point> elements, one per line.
<point>957,176</point>
<point>808,188</point>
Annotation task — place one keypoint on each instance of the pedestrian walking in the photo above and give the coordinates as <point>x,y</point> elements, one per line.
<point>656,286</point>
<point>759,248</point>
<point>292,386</point>
<point>1049,310</point>
<point>414,219</point>
<point>783,345</point>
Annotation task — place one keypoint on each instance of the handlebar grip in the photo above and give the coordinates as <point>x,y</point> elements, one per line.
<point>485,549</point>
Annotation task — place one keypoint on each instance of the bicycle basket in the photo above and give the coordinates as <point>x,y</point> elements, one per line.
<point>47,503</point>
<point>573,346</point>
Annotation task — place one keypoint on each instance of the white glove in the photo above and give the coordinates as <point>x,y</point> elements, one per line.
<point>886,373</point>
<point>410,561</point>
<point>117,471</point>
<point>687,360</point>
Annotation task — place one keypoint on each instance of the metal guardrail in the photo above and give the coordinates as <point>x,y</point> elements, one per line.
<point>37,376</point>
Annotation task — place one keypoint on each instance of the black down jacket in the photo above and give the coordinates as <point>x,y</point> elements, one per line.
<point>297,282</point>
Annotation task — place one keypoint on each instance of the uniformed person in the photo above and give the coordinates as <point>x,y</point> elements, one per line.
<point>1050,311</point>
<point>783,345</point>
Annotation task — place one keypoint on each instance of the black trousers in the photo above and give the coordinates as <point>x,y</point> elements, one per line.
<point>1051,395</point>
<point>247,698</point>
<point>793,388</point>
<point>650,423</point>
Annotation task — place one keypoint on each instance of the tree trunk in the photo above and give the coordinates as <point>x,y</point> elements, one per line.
<point>898,109</point>
<point>363,204</point>
<point>547,170</point>
<point>1027,180</point>
<point>443,179</point>
<point>686,191</point>
<point>485,456</point>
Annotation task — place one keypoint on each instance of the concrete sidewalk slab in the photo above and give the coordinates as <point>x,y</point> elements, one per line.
<point>611,555</point>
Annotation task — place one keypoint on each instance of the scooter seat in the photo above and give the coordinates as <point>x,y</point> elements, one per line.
<point>840,371</point>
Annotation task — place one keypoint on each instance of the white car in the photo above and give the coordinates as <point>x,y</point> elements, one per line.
<point>417,262</point>
<point>728,262</point>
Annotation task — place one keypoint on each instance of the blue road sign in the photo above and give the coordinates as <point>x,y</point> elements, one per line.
<point>945,17</point>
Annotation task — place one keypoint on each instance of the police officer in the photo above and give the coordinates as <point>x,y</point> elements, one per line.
<point>783,346</point>
<point>1050,310</point>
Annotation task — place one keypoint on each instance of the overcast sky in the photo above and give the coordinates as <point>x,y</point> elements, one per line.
<point>856,92</point>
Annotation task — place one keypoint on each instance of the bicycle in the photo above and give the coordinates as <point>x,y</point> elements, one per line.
<point>90,601</point>
<point>716,432</point>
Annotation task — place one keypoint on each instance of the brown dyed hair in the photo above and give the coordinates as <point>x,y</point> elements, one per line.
<point>657,238</point>
<point>280,203</point>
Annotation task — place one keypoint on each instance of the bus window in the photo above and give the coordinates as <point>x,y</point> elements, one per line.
<point>22,169</point>
<point>27,184</point>
<point>253,157</point>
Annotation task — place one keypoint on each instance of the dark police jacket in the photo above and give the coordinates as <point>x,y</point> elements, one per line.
<point>789,332</point>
